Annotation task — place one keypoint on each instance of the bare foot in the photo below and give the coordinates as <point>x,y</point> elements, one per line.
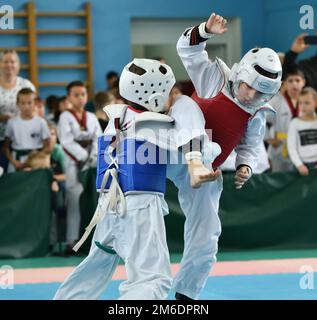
<point>199,173</point>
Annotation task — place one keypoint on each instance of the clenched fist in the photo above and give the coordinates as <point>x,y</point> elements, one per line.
<point>243,174</point>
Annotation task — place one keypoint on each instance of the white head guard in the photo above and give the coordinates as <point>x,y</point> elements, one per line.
<point>261,69</point>
<point>147,83</point>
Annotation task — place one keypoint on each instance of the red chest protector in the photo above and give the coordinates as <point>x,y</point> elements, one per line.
<point>227,121</point>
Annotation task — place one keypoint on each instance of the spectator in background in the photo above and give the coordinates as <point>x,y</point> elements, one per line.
<point>281,56</point>
<point>78,131</point>
<point>115,92</point>
<point>102,99</point>
<point>63,105</point>
<point>286,109</point>
<point>270,117</point>
<point>112,80</point>
<point>26,132</point>
<point>58,230</point>
<point>308,66</point>
<point>39,107</point>
<point>52,104</point>
<point>57,155</point>
<point>10,85</point>
<point>302,133</point>
<point>37,160</point>
<point>161,59</point>
<point>41,160</point>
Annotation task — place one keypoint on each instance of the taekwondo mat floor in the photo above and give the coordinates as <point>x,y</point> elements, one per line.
<point>261,275</point>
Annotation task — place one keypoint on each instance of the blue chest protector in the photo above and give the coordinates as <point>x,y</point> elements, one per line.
<point>139,167</point>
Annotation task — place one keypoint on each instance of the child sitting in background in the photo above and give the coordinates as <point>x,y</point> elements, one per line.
<point>302,133</point>
<point>40,160</point>
<point>37,160</point>
<point>25,132</point>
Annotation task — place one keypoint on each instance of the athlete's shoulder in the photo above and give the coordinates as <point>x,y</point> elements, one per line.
<point>184,101</point>
<point>115,110</point>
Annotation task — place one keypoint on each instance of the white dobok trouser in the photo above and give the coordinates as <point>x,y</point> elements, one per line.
<point>139,238</point>
<point>201,230</point>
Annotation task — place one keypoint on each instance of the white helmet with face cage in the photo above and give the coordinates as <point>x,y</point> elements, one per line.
<point>147,83</point>
<point>261,69</point>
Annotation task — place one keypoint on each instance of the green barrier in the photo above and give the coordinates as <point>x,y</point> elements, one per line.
<point>273,211</point>
<point>25,214</point>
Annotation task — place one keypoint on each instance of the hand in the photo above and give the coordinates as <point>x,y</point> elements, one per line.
<point>5,117</point>
<point>85,143</point>
<point>54,186</point>
<point>299,45</point>
<point>199,173</point>
<point>216,24</point>
<point>274,142</point>
<point>303,170</point>
<point>18,165</point>
<point>242,176</point>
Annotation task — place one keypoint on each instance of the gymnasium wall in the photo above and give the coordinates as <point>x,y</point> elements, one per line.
<point>263,23</point>
<point>282,23</point>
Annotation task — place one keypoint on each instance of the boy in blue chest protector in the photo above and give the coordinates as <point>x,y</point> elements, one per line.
<point>131,177</point>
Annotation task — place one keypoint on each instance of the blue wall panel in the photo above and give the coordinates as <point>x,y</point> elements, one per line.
<point>263,23</point>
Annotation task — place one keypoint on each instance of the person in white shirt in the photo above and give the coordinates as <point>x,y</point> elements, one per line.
<point>78,132</point>
<point>25,132</point>
<point>10,85</point>
<point>302,133</point>
<point>286,106</point>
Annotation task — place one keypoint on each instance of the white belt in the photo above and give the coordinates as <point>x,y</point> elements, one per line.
<point>113,200</point>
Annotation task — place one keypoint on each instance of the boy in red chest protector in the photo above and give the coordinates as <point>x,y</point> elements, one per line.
<point>231,104</point>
